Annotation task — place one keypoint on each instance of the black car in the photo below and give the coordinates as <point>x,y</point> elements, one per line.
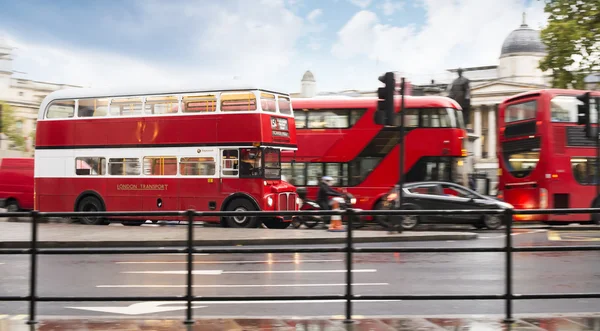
<point>443,196</point>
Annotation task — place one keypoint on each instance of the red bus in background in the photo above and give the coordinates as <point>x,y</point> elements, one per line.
<point>545,158</point>
<point>337,137</point>
<point>205,149</point>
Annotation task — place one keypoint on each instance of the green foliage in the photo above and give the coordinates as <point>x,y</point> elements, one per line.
<point>572,39</point>
<point>9,128</point>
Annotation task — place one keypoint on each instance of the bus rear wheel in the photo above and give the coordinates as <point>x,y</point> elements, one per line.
<point>242,221</point>
<point>91,204</point>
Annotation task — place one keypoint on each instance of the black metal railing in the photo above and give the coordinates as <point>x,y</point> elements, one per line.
<point>350,216</point>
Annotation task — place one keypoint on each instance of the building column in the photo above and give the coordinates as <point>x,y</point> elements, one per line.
<point>477,131</point>
<point>492,130</point>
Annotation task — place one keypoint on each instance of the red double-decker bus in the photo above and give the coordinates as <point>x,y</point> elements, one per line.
<point>337,137</point>
<point>206,149</point>
<point>545,158</point>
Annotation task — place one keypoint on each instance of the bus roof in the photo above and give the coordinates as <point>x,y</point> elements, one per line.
<point>83,93</point>
<point>550,92</point>
<point>367,102</point>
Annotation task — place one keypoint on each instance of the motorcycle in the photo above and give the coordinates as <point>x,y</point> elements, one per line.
<point>311,221</point>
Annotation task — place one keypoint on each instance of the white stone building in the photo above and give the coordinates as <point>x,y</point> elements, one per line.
<point>516,72</point>
<point>24,96</point>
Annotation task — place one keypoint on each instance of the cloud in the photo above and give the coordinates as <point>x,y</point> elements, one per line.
<point>314,14</point>
<point>200,42</point>
<point>455,33</point>
<point>361,3</point>
<point>389,7</point>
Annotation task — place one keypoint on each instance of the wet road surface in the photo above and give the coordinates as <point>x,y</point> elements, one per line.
<point>316,274</point>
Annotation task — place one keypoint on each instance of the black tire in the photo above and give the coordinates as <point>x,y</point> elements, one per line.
<point>12,206</point>
<point>91,204</point>
<point>276,223</point>
<point>492,222</point>
<point>296,222</point>
<point>311,222</point>
<point>242,222</point>
<point>479,225</point>
<point>409,222</point>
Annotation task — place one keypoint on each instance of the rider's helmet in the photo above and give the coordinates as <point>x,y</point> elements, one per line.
<point>327,180</point>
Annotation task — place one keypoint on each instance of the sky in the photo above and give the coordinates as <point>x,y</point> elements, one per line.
<point>346,44</point>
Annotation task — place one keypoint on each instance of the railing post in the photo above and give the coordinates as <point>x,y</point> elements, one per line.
<point>190,265</point>
<point>349,213</point>
<point>33,268</point>
<point>508,219</point>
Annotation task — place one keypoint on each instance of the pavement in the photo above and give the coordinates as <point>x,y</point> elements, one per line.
<point>550,323</point>
<point>58,235</point>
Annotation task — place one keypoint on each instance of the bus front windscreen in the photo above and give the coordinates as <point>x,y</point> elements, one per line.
<point>272,163</point>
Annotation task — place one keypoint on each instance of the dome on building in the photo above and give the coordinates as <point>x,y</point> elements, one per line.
<point>308,77</point>
<point>523,40</point>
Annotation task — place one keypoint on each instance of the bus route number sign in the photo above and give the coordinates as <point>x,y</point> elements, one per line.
<point>279,127</point>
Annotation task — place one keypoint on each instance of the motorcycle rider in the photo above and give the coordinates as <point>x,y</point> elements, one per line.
<point>325,191</point>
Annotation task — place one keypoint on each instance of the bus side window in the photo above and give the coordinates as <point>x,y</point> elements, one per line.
<point>229,162</point>
<point>61,109</point>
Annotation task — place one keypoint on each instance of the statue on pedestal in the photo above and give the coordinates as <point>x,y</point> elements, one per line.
<point>460,91</point>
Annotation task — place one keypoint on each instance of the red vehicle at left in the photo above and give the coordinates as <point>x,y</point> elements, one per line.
<point>16,184</point>
<point>165,150</point>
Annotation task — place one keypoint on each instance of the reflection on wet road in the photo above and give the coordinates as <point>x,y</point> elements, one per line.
<point>314,274</point>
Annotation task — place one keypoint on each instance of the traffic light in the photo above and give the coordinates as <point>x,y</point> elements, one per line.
<point>583,113</point>
<point>385,113</point>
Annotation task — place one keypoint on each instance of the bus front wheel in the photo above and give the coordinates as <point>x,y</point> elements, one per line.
<point>242,221</point>
<point>91,204</point>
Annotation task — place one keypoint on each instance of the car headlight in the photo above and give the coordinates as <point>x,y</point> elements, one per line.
<point>353,201</point>
<point>270,201</point>
<point>392,196</point>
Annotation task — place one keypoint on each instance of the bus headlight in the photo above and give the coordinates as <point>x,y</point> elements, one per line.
<point>270,201</point>
<point>353,201</point>
<point>298,201</point>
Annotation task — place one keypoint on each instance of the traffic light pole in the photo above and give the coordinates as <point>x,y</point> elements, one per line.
<point>401,144</point>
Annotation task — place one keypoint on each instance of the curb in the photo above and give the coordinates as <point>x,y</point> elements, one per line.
<point>240,242</point>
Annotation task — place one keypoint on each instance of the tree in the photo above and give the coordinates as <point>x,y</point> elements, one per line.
<point>572,39</point>
<point>8,126</point>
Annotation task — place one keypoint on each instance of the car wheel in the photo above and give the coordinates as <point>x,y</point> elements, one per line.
<point>492,222</point>
<point>409,222</point>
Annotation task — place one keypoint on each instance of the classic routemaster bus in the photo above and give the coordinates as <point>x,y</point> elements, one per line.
<point>545,158</point>
<point>206,149</point>
<point>337,137</point>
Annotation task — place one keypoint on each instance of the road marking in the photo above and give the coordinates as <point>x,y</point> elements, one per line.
<point>18,317</point>
<point>138,308</point>
<point>513,234</point>
<point>228,262</point>
<point>219,272</point>
<point>573,236</point>
<point>241,285</point>
<point>153,307</point>
<point>173,254</point>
